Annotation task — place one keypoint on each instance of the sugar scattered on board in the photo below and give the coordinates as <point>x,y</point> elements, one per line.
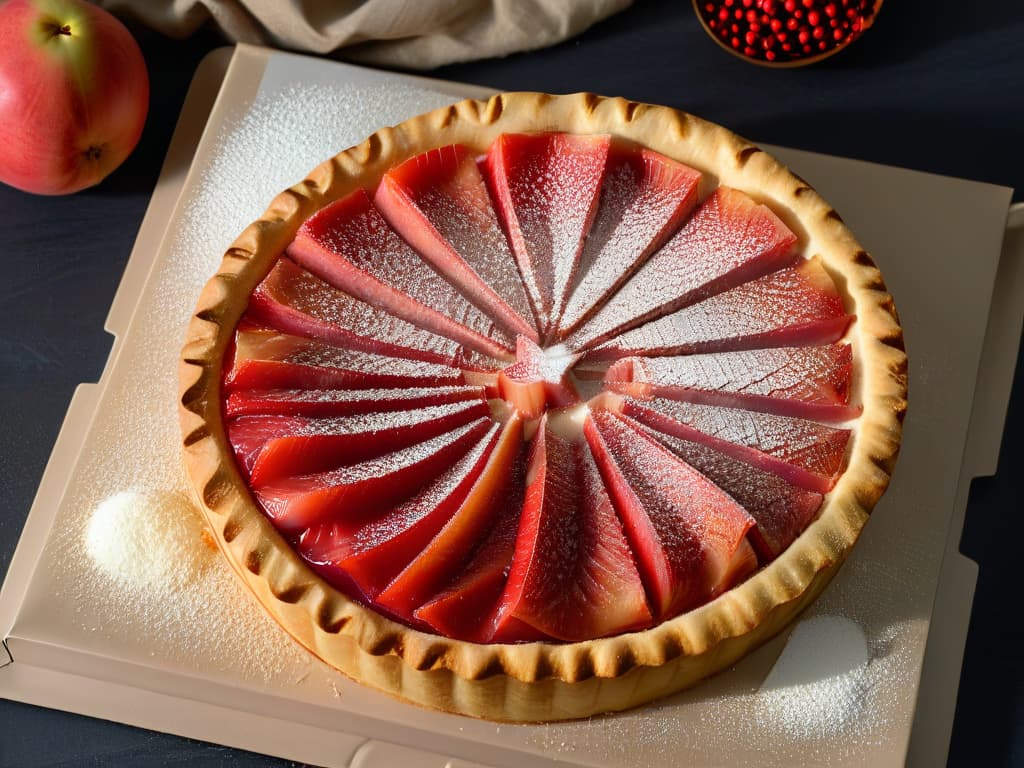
<point>829,699</point>
<point>146,600</point>
<point>212,625</point>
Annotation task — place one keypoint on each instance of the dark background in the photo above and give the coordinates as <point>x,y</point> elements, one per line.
<point>934,86</point>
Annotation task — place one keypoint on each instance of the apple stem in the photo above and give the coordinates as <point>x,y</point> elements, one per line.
<point>59,29</point>
<point>94,152</point>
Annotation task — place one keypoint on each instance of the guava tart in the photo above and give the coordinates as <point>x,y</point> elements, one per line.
<point>541,407</point>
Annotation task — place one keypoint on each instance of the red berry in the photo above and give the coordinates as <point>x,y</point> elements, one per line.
<point>786,29</point>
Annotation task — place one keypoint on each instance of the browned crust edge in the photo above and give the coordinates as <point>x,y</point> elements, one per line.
<point>539,681</point>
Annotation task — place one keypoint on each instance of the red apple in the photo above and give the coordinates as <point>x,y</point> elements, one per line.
<point>73,95</point>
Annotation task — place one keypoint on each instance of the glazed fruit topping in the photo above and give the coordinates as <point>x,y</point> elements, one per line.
<point>546,188</point>
<point>645,197</point>
<point>796,306</point>
<point>729,239</point>
<point>298,302</point>
<point>806,453</point>
<point>806,382</point>
<point>684,530</point>
<point>779,508</point>
<point>572,575</point>
<point>371,553</point>
<point>437,201</point>
<point>672,417</point>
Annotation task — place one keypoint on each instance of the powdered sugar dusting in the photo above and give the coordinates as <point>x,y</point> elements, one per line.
<point>459,208</point>
<point>424,503</point>
<point>785,308</point>
<point>818,686</point>
<point>781,510</point>
<point>807,374</point>
<point>835,710</point>
<point>807,444</point>
<point>729,239</point>
<point>549,185</point>
<point>554,362</point>
<point>148,543</point>
<point>643,198</point>
<point>166,588</point>
<point>350,244</point>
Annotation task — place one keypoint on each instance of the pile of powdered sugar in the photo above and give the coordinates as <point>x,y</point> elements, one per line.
<point>166,592</point>
<point>148,543</point>
<point>818,686</point>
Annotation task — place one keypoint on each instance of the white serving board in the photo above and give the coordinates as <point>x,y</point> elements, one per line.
<point>123,645</point>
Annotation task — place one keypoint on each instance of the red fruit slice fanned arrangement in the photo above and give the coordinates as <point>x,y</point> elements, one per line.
<point>524,398</point>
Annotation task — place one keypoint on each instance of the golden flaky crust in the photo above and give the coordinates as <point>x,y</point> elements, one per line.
<point>540,681</point>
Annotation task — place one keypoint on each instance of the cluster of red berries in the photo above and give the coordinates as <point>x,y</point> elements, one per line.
<point>780,31</point>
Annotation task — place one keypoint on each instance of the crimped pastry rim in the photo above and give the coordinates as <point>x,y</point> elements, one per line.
<point>541,681</point>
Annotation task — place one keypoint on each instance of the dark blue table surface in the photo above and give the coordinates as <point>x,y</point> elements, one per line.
<point>936,86</point>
